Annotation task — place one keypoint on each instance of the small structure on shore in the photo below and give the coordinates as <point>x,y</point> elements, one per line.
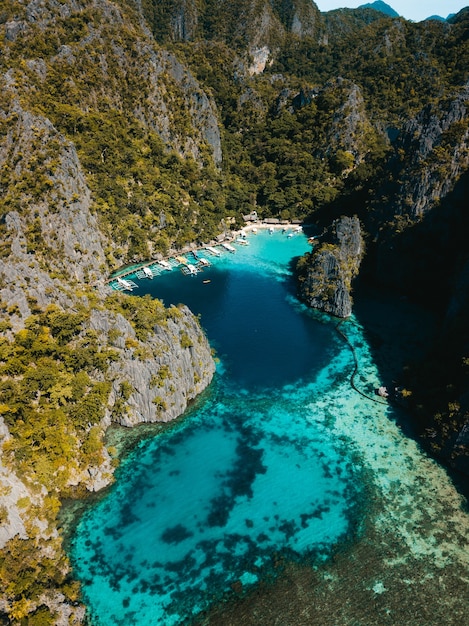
<point>251,217</point>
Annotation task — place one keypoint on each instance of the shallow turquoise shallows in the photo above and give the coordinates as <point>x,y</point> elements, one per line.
<point>250,476</point>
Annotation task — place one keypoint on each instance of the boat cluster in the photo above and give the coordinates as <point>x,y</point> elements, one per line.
<point>189,264</point>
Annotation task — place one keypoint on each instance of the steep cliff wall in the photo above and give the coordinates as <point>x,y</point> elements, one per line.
<point>176,365</point>
<point>51,242</point>
<point>420,249</point>
<point>325,275</point>
<point>350,134</point>
<point>110,150</point>
<point>417,208</point>
<point>436,144</point>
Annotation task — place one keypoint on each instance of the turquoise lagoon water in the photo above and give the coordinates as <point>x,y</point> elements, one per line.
<point>266,469</point>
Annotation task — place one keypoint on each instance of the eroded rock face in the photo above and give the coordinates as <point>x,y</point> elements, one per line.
<point>51,237</point>
<point>325,275</point>
<point>179,367</point>
<point>438,141</point>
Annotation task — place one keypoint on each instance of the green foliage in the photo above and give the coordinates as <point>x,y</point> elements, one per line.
<point>158,380</point>
<point>149,198</point>
<point>160,404</point>
<point>185,340</point>
<point>398,65</point>
<point>26,573</point>
<point>49,396</point>
<point>144,314</point>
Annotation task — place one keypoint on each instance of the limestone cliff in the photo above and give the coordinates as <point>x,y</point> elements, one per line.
<point>160,387</point>
<point>100,35</point>
<point>326,273</point>
<point>111,151</point>
<point>420,249</point>
<point>255,29</point>
<point>51,242</point>
<point>437,142</point>
<point>255,22</point>
<point>418,208</point>
<point>349,133</point>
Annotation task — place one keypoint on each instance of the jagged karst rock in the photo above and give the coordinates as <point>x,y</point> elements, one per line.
<point>11,490</point>
<point>184,20</point>
<point>53,252</point>
<point>305,19</point>
<point>257,27</point>
<point>429,166</point>
<point>169,85</point>
<point>94,59</point>
<point>179,349</point>
<point>52,230</point>
<point>350,127</point>
<point>325,275</point>
<point>437,142</point>
<point>339,23</point>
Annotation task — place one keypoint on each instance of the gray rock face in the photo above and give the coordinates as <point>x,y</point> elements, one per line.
<point>169,90</point>
<point>52,252</point>
<point>306,19</point>
<point>52,235</point>
<point>184,20</point>
<point>350,127</point>
<point>179,366</point>
<point>326,273</point>
<point>201,110</point>
<point>438,140</point>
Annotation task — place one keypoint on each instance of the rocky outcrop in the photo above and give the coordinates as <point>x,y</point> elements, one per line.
<point>340,23</point>
<point>350,132</point>
<point>420,207</point>
<point>201,111</point>
<point>168,90</point>
<point>51,238</point>
<point>305,19</point>
<point>436,143</point>
<point>184,20</point>
<point>161,387</point>
<point>53,253</point>
<point>258,27</point>
<point>325,275</point>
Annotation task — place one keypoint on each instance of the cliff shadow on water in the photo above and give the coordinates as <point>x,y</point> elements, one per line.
<point>412,299</point>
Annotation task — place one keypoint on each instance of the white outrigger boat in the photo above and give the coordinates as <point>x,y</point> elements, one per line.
<point>228,247</point>
<point>125,284</point>
<point>165,265</point>
<point>213,250</point>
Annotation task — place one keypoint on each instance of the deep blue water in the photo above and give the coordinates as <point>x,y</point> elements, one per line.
<point>246,478</point>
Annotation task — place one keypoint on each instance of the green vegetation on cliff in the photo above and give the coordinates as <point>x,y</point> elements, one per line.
<point>53,398</point>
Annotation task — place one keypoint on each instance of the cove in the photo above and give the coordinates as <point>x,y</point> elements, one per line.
<point>269,473</point>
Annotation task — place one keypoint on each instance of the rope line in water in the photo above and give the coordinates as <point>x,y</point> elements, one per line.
<point>355,369</point>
